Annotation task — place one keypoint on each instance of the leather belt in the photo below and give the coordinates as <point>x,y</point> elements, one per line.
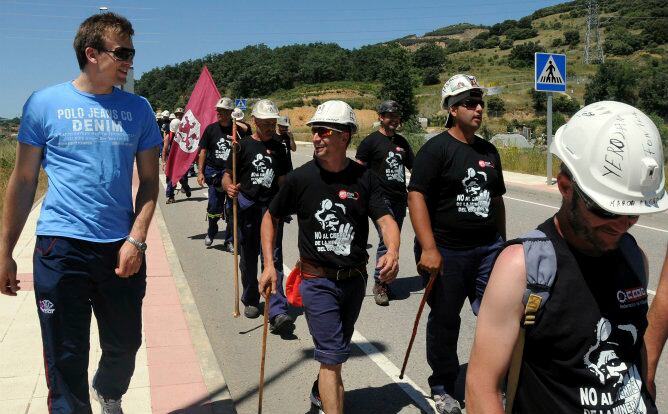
<point>311,269</point>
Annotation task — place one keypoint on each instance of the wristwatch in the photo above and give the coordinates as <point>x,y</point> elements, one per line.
<point>141,246</point>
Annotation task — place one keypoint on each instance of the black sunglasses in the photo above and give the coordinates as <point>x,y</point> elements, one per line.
<point>595,209</point>
<point>472,103</point>
<point>123,54</point>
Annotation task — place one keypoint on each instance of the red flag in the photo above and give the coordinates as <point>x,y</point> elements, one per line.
<point>199,113</point>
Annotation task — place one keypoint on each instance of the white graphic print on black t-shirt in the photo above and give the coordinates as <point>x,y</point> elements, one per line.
<point>620,381</point>
<point>337,234</point>
<point>223,148</point>
<point>395,167</point>
<point>263,173</point>
<point>475,198</point>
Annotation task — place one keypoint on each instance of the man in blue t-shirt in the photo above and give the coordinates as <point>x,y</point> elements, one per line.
<point>89,255</point>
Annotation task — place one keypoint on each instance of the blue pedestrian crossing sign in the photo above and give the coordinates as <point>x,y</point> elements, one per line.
<point>550,70</point>
<point>240,103</point>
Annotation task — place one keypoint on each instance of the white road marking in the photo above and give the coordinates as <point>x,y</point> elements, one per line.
<point>411,389</point>
<point>557,208</point>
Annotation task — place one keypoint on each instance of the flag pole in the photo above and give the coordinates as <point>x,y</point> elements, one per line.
<point>235,144</point>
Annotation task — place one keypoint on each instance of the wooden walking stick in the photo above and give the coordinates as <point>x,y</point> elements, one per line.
<point>427,291</point>
<point>235,146</point>
<point>267,294</point>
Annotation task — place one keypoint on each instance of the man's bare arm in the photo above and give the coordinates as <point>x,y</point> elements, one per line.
<point>267,235</point>
<point>19,197</point>
<point>430,259</point>
<point>389,262</point>
<point>129,258</point>
<point>496,333</point>
<point>657,330</point>
<point>200,166</point>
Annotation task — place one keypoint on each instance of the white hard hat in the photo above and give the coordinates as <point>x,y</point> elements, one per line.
<point>456,89</point>
<point>283,121</point>
<point>174,125</point>
<point>165,114</point>
<point>265,109</point>
<point>334,112</point>
<point>172,116</point>
<point>178,110</point>
<point>237,114</point>
<point>615,156</point>
<point>225,103</point>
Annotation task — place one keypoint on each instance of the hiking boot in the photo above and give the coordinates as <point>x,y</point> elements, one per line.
<point>252,312</point>
<point>170,200</point>
<point>315,397</point>
<point>445,404</point>
<point>188,192</point>
<point>208,241</point>
<point>380,294</point>
<point>280,322</point>
<point>108,405</point>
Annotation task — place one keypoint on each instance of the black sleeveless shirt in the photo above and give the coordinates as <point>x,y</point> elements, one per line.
<point>584,353</point>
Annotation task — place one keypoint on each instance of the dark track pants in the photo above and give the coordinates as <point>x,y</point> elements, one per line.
<point>250,249</point>
<point>74,278</point>
<point>464,275</point>
<point>216,201</point>
<point>169,188</point>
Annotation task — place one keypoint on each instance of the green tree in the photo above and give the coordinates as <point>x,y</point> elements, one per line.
<point>572,37</point>
<point>653,96</point>
<point>429,56</point>
<point>523,55</point>
<point>430,76</point>
<point>398,82</point>
<point>614,80</point>
<point>495,106</point>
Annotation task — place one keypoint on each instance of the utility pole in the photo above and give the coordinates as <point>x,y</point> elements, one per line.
<point>593,52</point>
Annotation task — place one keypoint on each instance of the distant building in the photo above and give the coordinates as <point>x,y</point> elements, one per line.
<point>510,140</point>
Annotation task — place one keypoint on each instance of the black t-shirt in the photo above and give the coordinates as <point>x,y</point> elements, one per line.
<point>259,164</point>
<point>583,355</point>
<point>388,157</point>
<point>459,181</point>
<point>217,141</point>
<point>332,211</point>
<point>284,139</point>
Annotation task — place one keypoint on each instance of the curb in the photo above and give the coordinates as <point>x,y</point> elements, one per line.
<point>213,376</point>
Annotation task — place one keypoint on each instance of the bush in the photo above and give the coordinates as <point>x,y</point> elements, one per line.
<point>614,80</point>
<point>430,55</point>
<point>556,42</point>
<point>572,37</point>
<point>294,103</point>
<point>430,76</point>
<point>518,33</point>
<point>495,106</point>
<point>315,102</point>
<point>523,55</point>
<point>506,44</point>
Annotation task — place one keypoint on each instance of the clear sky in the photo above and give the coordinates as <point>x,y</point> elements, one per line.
<point>36,36</point>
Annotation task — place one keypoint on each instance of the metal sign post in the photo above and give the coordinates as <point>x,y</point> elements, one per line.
<point>550,76</point>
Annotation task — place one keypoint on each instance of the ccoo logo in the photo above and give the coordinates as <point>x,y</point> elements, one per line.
<point>46,306</point>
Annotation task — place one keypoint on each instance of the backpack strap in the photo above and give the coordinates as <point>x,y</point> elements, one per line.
<point>541,268</point>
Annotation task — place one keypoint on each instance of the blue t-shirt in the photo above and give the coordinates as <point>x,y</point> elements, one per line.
<point>89,144</point>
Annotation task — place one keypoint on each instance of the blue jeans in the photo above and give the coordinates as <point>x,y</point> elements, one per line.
<point>398,210</point>
<point>464,275</point>
<point>169,190</point>
<point>74,278</point>
<point>331,308</point>
<point>250,249</point>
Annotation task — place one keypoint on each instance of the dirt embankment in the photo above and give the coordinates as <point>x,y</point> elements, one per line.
<point>300,116</point>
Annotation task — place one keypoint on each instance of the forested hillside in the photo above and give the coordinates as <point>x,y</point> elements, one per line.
<point>634,40</point>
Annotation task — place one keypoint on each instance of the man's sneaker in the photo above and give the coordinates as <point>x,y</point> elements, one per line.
<point>280,322</point>
<point>252,312</point>
<point>187,191</point>
<point>445,404</point>
<point>315,397</point>
<point>228,246</point>
<point>108,405</point>
<point>380,294</point>
<point>170,200</point>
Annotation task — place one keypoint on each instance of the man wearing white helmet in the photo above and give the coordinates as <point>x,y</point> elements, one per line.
<point>456,206</point>
<point>333,198</point>
<point>215,147</point>
<point>388,154</point>
<point>166,149</point>
<point>584,352</point>
<point>261,166</point>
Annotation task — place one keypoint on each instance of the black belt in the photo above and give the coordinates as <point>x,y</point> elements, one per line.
<point>311,269</point>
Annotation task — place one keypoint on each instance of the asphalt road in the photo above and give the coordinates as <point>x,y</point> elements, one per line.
<point>382,333</point>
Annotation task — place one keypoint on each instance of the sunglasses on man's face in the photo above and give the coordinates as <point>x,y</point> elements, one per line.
<point>472,103</point>
<point>595,209</point>
<point>322,132</point>
<point>123,54</point>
